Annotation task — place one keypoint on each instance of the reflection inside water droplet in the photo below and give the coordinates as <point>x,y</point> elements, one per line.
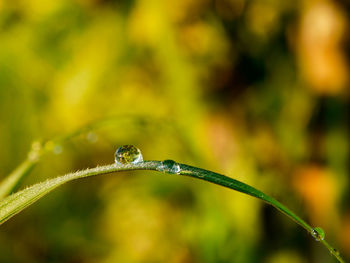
<point>318,233</point>
<point>169,166</point>
<point>128,154</point>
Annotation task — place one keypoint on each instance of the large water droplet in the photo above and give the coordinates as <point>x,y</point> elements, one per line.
<point>169,166</point>
<point>128,154</point>
<point>318,233</point>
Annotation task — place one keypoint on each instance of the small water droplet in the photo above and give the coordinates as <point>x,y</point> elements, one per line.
<point>169,166</point>
<point>35,153</point>
<point>57,149</point>
<point>91,137</point>
<point>36,146</point>
<point>318,233</point>
<point>128,154</point>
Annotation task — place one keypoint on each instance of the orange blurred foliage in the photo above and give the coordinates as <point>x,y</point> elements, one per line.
<point>318,188</point>
<point>321,34</point>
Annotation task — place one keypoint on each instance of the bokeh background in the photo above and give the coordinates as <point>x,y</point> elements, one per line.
<point>254,89</point>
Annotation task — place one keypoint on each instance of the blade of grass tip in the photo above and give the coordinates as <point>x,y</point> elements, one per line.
<point>249,190</point>
<point>12,181</point>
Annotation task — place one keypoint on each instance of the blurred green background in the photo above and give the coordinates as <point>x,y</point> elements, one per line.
<point>254,89</point>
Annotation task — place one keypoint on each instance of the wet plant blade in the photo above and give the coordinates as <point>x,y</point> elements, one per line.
<point>10,183</point>
<point>236,185</point>
<point>15,203</point>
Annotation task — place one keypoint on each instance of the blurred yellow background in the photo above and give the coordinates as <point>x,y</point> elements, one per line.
<point>257,90</point>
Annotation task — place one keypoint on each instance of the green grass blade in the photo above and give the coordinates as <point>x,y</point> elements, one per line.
<point>249,190</point>
<point>240,187</point>
<point>15,203</point>
<point>10,183</point>
<point>18,201</point>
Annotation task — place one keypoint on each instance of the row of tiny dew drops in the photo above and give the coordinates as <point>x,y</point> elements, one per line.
<point>129,154</point>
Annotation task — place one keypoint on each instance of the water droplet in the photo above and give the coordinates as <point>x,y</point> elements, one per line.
<point>54,147</point>
<point>91,137</point>
<point>318,233</point>
<point>57,149</point>
<point>169,166</point>
<point>128,154</point>
<point>36,146</point>
<point>35,153</point>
